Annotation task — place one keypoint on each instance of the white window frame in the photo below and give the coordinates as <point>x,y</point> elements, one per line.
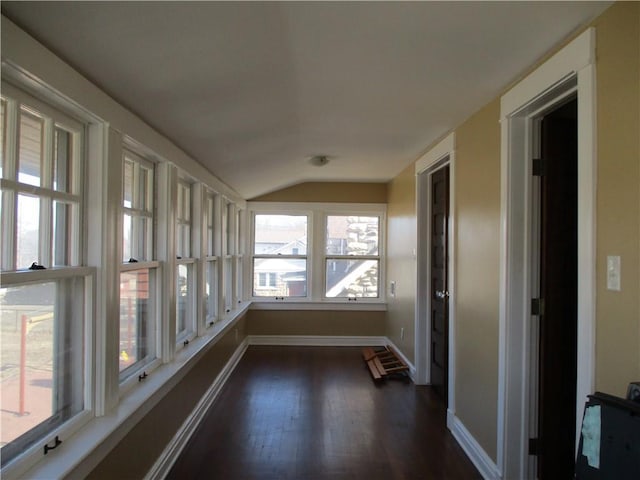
<point>316,239</point>
<point>53,116</point>
<point>12,188</point>
<point>185,257</point>
<point>279,209</point>
<point>130,376</point>
<point>345,212</point>
<point>209,257</point>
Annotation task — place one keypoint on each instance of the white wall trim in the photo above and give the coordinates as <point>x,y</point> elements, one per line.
<point>440,155</point>
<point>316,340</point>
<point>439,151</point>
<point>573,67</point>
<point>174,448</point>
<point>487,468</point>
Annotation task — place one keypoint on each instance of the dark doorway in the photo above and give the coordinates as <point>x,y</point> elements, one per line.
<point>439,281</point>
<point>557,309</point>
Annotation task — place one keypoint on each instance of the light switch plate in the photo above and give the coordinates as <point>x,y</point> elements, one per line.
<point>613,273</point>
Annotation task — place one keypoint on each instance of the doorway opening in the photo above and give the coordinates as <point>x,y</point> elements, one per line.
<point>435,312</point>
<point>554,287</point>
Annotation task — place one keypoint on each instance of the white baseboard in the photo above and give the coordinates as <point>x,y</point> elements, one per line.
<point>316,340</point>
<point>173,450</point>
<point>487,468</point>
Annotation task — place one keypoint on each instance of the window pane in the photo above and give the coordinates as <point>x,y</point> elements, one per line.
<point>352,278</point>
<point>62,164</point>
<point>63,214</point>
<point>352,235</point>
<point>42,360</point>
<point>184,301</point>
<point>127,234</point>
<point>30,162</point>
<point>3,135</point>
<point>145,179</point>
<point>27,241</point>
<point>280,234</point>
<point>279,277</point>
<point>211,291</point>
<point>227,275</point>
<point>127,184</point>
<point>136,332</point>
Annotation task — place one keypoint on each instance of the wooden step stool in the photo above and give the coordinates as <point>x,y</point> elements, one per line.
<point>383,361</point>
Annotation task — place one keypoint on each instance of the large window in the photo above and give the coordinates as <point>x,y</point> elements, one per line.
<point>137,346</point>
<point>352,257</point>
<point>185,286</point>
<point>280,255</point>
<point>42,309</point>
<point>317,252</point>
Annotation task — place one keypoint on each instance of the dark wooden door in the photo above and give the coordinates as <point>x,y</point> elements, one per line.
<point>439,294</point>
<point>558,287</point>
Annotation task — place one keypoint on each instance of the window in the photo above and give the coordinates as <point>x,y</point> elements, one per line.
<point>137,329</point>
<point>352,257</point>
<point>279,255</point>
<point>185,286</point>
<point>42,310</point>
<point>317,252</point>
<point>210,261</point>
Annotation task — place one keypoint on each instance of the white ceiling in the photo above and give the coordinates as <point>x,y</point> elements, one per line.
<point>252,90</point>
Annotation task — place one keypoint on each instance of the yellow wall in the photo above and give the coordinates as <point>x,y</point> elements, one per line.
<point>315,322</point>
<point>401,263</point>
<point>329,192</point>
<point>618,196</point>
<point>477,223</point>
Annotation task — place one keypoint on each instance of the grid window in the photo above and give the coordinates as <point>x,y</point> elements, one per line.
<point>352,256</point>
<point>42,312</point>
<point>210,261</point>
<point>185,281</point>
<point>137,328</point>
<point>280,255</point>
<point>138,208</point>
<point>41,188</point>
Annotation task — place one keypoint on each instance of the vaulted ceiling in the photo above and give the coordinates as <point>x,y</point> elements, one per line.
<point>253,90</point>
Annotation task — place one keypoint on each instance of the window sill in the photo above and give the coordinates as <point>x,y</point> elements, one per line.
<point>328,306</point>
<point>83,451</point>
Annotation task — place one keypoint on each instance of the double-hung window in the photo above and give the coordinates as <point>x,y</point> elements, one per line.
<point>185,264</point>
<point>332,253</point>
<point>280,255</point>
<point>211,263</point>
<point>45,292</point>
<point>351,256</point>
<point>139,272</point>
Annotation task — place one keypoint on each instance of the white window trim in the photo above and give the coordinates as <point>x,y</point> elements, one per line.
<point>316,214</point>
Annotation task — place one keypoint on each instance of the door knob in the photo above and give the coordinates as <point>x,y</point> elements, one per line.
<point>442,294</point>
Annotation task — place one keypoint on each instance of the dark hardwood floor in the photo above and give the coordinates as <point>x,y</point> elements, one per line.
<point>314,413</point>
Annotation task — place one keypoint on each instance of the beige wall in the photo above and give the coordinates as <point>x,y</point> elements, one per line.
<point>141,447</point>
<point>477,223</point>
<point>315,322</point>
<point>401,263</point>
<point>618,196</point>
<point>329,192</point>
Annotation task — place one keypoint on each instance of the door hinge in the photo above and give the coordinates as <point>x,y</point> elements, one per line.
<point>538,165</point>
<point>537,306</point>
<point>534,446</point>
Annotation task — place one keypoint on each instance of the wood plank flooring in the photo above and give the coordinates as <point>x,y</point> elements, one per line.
<point>314,413</point>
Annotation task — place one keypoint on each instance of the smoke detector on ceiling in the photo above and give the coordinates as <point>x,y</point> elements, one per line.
<point>319,160</point>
